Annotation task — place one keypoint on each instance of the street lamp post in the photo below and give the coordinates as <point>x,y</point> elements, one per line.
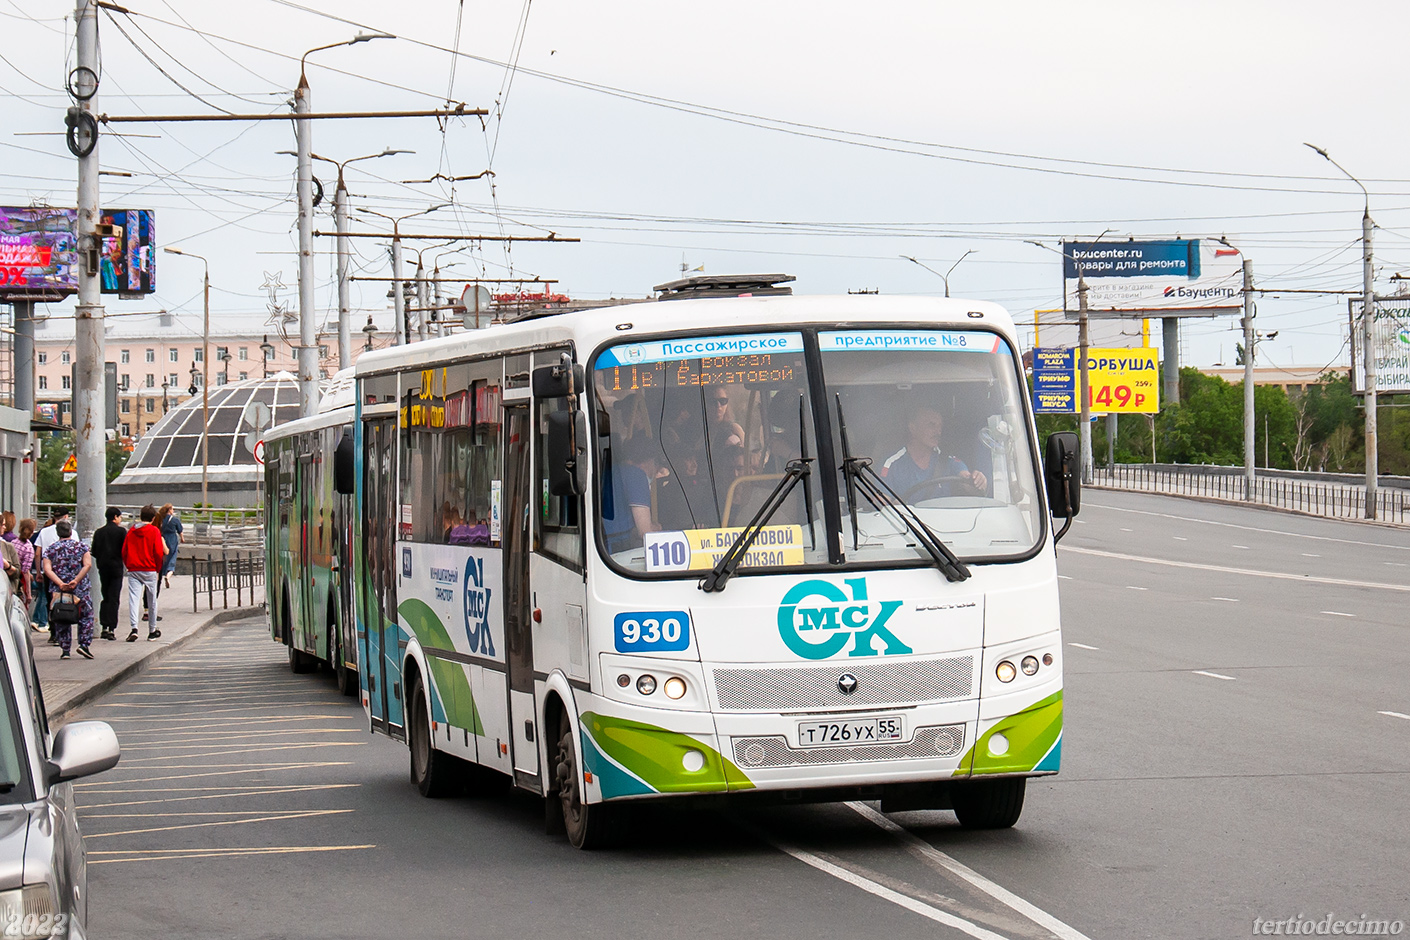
<point>1368,336</point>
<point>266,351</point>
<point>303,106</point>
<point>205,376</point>
<point>402,327</point>
<point>946,276</point>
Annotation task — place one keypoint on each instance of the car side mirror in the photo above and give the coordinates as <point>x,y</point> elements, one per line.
<point>562,454</point>
<point>344,477</point>
<point>1062,477</point>
<point>559,381</point>
<point>81,749</point>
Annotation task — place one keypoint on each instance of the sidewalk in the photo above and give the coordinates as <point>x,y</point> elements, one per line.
<point>70,683</point>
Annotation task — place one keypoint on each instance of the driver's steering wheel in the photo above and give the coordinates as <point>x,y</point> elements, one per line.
<point>959,486</point>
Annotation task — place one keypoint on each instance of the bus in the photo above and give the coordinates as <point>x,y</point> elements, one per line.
<point>308,538</point>
<point>736,547</point>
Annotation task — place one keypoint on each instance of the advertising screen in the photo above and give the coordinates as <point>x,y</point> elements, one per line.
<point>128,264</point>
<point>38,253</point>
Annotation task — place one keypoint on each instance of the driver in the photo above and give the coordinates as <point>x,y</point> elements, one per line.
<point>922,461</point>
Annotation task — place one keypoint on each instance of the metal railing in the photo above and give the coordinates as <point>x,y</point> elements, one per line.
<point>221,574</point>
<point>1312,494</point>
<point>204,528</point>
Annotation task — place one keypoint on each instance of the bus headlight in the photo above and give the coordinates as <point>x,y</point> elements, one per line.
<point>674,687</point>
<point>646,684</point>
<point>1029,665</point>
<point>1005,671</point>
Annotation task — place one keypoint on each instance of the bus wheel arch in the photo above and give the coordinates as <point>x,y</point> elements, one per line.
<point>587,825</point>
<point>432,772</point>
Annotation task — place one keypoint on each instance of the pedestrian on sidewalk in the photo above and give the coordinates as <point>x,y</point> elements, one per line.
<point>46,538</point>
<point>174,533</point>
<point>142,554</point>
<point>66,567</point>
<point>107,554</point>
<point>24,547</point>
<point>18,568</point>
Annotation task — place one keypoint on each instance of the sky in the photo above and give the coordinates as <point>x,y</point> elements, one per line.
<point>823,140</point>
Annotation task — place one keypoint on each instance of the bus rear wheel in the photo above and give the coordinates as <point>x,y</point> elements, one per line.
<point>300,661</point>
<point>431,770</point>
<point>588,826</point>
<point>989,804</point>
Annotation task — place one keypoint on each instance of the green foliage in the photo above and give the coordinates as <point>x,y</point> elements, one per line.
<point>49,478</point>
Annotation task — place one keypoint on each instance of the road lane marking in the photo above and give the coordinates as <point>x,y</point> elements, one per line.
<point>1214,675</point>
<point>282,817</point>
<point>1246,528</point>
<point>253,769</point>
<point>1397,564</point>
<point>1310,555</point>
<point>934,856</point>
<point>885,893</point>
<point>1394,715</point>
<point>160,855</point>
<point>1232,600</point>
<point>1065,577</point>
<point>1251,572</point>
<point>1179,538</point>
<point>1084,646</point>
<point>1132,587</point>
<point>1244,547</point>
<point>1125,530</point>
<point>1337,613</point>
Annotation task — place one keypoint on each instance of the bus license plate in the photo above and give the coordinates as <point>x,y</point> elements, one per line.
<point>851,731</point>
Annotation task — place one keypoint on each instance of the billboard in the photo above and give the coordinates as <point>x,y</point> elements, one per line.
<point>1054,380</point>
<point>1175,277</point>
<point>1390,343</point>
<point>1124,381</point>
<point>38,253</point>
<point>128,264</point>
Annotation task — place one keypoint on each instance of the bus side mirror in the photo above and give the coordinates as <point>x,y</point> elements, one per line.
<point>561,454</point>
<point>558,381</point>
<point>343,476</point>
<point>1063,479</point>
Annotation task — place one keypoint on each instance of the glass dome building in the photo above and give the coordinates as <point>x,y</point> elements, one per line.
<point>166,464</point>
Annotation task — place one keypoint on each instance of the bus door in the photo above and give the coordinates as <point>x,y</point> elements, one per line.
<point>518,627</point>
<point>304,637</point>
<point>380,658</point>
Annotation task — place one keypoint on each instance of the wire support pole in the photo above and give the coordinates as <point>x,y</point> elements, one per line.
<point>1250,342</point>
<point>90,411</point>
<point>308,385</point>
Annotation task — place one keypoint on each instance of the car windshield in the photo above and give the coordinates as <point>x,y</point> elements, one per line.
<point>694,435</point>
<point>940,416</point>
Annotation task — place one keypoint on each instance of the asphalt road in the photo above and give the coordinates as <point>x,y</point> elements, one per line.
<point>1235,747</point>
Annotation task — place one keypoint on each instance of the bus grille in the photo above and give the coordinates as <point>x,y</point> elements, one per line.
<point>886,683</point>
<point>942,741</point>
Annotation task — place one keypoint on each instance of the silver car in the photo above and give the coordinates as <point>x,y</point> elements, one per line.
<point>43,871</point>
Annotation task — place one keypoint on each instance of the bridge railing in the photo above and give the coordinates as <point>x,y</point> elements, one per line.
<point>1313,494</point>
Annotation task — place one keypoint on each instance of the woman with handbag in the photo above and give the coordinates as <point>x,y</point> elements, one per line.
<point>66,566</point>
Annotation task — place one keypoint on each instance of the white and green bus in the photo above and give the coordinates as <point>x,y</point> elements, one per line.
<point>743,546</point>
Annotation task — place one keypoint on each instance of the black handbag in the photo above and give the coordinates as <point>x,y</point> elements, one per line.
<point>64,608</point>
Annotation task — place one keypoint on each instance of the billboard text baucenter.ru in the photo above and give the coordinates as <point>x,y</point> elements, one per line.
<point>1173,277</point>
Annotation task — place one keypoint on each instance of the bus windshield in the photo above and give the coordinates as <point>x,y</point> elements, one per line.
<point>939,415</point>
<point>694,435</point>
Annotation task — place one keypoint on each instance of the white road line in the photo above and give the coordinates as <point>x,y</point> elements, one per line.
<point>1125,530</point>
<point>1214,675</point>
<point>1132,587</point>
<point>1394,715</point>
<point>1397,564</point>
<point>1065,577</point>
<point>1084,646</point>
<point>1278,575</point>
<point>1246,528</point>
<point>1337,613</point>
<point>1179,538</point>
<point>1244,547</point>
<point>1232,600</point>
<point>1310,555</point>
<point>885,893</point>
<point>999,893</point>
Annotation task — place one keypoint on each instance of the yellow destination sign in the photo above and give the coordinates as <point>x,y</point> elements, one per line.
<point>701,549</point>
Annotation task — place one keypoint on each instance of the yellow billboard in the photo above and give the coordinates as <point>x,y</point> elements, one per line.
<point>1123,381</point>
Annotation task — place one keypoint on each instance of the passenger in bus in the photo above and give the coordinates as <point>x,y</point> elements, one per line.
<point>724,430</point>
<point>684,499</point>
<point>631,418</point>
<point>921,470</point>
<point>626,514</point>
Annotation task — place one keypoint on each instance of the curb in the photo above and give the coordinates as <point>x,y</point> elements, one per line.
<point>103,685</point>
<point>1287,511</point>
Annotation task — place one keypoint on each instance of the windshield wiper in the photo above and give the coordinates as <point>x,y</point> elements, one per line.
<point>859,474</point>
<point>725,568</point>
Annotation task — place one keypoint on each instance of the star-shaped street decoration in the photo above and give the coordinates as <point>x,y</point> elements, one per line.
<point>273,283</point>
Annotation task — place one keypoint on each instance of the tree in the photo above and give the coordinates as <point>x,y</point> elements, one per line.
<point>50,486</point>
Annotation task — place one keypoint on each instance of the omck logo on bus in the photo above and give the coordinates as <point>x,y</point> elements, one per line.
<point>477,608</point>
<point>817,620</point>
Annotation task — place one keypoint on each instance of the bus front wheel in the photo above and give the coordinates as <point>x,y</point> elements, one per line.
<point>989,804</point>
<point>431,770</point>
<point>588,826</point>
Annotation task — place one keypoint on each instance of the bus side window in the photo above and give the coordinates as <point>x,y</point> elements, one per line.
<point>559,529</point>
